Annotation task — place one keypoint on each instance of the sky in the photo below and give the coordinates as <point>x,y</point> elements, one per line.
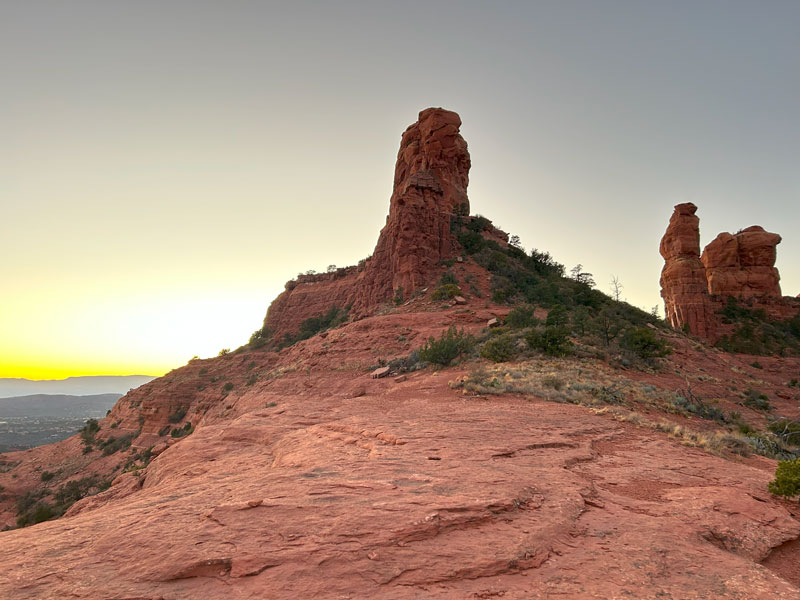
<point>165,167</point>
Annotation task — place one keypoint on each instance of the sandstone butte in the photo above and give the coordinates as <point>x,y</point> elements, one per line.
<point>305,477</point>
<point>696,287</point>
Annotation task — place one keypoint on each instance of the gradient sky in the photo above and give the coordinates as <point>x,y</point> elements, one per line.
<point>166,166</point>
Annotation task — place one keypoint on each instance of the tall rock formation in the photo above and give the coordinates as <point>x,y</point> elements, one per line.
<point>741,265</point>
<point>683,280</point>
<point>430,185</point>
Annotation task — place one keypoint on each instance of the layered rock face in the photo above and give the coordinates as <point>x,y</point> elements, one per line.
<point>684,287</point>
<point>740,265</point>
<point>430,185</point>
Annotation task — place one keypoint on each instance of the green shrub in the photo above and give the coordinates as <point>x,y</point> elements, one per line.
<point>403,364</point>
<point>787,479</point>
<point>448,279</point>
<point>521,317</point>
<point>227,387</point>
<point>756,400</point>
<point>177,416</point>
<point>644,343</point>
<point>164,430</point>
<point>32,509</point>
<point>557,316</point>
<point>112,444</point>
<point>180,432</point>
<point>446,291</point>
<point>553,341</point>
<point>699,408</point>
<point>500,349</point>
<point>88,433</point>
<point>398,296</point>
<point>47,475</point>
<point>451,344</point>
<point>89,430</point>
<point>259,338</point>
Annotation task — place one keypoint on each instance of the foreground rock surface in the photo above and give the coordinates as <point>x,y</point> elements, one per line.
<point>416,492</point>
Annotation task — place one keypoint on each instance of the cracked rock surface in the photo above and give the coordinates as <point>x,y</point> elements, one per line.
<point>415,492</point>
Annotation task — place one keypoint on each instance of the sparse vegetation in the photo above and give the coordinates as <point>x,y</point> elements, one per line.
<point>31,508</point>
<point>644,343</point>
<point>501,348</point>
<point>177,415</point>
<point>446,292</point>
<point>451,344</point>
<point>88,433</point>
<point>756,333</point>
<point>259,338</point>
<point>787,479</point>
<point>111,445</point>
<point>180,432</point>
<point>756,400</point>
<point>552,340</point>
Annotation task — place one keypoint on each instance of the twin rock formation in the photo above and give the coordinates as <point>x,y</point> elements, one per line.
<point>430,185</point>
<point>741,265</point>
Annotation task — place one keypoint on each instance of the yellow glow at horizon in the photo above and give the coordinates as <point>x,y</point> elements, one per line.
<point>44,336</point>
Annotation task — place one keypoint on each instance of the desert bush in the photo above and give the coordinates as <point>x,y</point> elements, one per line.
<point>89,430</point>
<point>112,444</point>
<point>699,408</point>
<point>557,316</point>
<point>756,400</point>
<point>180,432</point>
<point>500,349</point>
<point>32,509</point>
<point>787,479</point>
<point>403,364</point>
<point>259,338</point>
<point>451,344</point>
<point>47,475</point>
<point>314,325</point>
<point>446,292</point>
<point>521,317</point>
<point>644,343</point>
<point>448,278</point>
<point>177,416</point>
<point>227,387</point>
<point>553,341</point>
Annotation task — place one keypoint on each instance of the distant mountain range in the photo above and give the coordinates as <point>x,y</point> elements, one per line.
<point>72,386</point>
<point>57,405</point>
